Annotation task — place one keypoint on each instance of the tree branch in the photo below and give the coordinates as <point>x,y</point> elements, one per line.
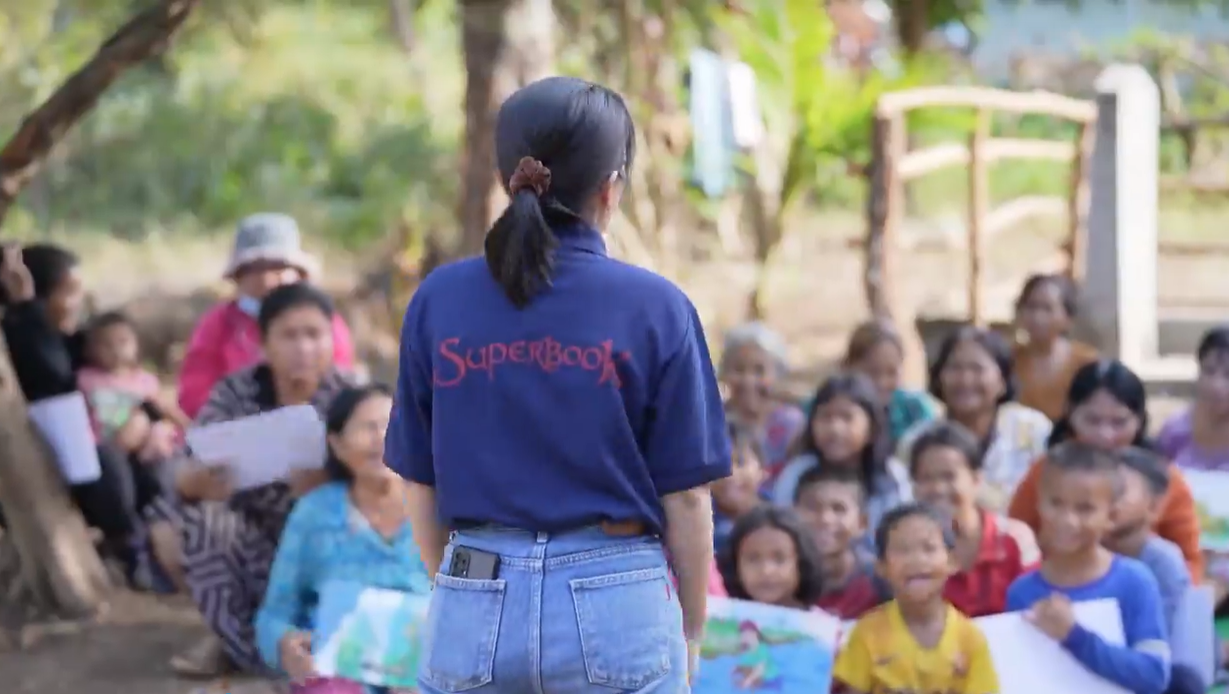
<point>144,36</point>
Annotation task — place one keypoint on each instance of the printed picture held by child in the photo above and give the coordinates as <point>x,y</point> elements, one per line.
<point>830,502</point>
<point>991,550</point>
<point>1078,491</point>
<point>847,430</point>
<point>917,643</point>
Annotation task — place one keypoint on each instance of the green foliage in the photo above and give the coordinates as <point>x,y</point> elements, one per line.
<point>310,107</point>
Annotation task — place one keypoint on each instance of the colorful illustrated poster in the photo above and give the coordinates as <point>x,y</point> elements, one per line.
<point>749,647</point>
<point>369,635</point>
<point>1211,492</point>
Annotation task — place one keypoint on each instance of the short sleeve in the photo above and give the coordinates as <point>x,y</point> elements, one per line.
<point>407,444</point>
<point>982,677</point>
<point>687,443</point>
<point>853,663</point>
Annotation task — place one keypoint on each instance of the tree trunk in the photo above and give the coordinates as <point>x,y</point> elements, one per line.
<point>144,36</point>
<point>58,563</point>
<point>507,44</point>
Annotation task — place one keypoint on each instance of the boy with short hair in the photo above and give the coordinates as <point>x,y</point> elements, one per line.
<point>917,642</point>
<point>830,501</point>
<point>1078,489</point>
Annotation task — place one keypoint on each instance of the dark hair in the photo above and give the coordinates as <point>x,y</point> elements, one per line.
<point>994,344</point>
<point>947,434</point>
<point>582,133</point>
<point>861,390</point>
<point>1214,340</point>
<point>810,585</point>
<point>867,336</point>
<point>48,264</point>
<point>1118,380</point>
<point>1067,292</point>
<point>744,438</point>
<point>291,296</point>
<point>830,474</point>
<point>109,319</point>
<point>893,518</point>
<point>338,416</point>
<point>1150,466</point>
<point>1073,456</point>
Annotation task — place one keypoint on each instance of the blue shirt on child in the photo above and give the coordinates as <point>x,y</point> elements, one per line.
<point>1142,666</point>
<point>589,404</point>
<point>1168,567</point>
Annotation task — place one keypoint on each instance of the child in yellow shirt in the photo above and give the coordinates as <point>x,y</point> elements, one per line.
<point>916,643</point>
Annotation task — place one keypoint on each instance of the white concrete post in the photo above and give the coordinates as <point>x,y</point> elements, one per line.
<point>1119,307</point>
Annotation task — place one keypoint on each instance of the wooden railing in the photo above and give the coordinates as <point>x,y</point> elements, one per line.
<point>893,166</point>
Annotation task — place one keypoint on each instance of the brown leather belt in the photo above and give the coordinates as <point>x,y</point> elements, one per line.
<point>628,528</point>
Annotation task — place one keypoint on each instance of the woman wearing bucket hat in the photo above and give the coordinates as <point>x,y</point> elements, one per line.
<point>267,254</point>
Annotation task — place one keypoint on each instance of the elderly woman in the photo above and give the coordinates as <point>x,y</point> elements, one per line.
<point>229,537</point>
<point>753,362</point>
<point>267,254</point>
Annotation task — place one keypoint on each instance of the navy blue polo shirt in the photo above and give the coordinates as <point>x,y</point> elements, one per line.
<point>588,405</point>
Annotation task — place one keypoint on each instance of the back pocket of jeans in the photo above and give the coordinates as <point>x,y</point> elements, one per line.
<point>461,631</point>
<point>628,625</point>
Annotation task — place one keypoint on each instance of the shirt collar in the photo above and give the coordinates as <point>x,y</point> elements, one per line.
<point>990,549</point>
<point>580,237</point>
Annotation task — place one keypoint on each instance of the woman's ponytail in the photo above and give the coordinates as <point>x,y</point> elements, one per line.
<point>520,248</point>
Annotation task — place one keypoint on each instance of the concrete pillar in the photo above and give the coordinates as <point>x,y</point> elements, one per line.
<point>1119,307</point>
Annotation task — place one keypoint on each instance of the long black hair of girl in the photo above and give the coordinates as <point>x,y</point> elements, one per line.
<point>859,389</point>
<point>339,414</point>
<point>1114,378</point>
<point>810,585</point>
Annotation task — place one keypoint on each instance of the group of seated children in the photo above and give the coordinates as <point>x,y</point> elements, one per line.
<point>910,514</point>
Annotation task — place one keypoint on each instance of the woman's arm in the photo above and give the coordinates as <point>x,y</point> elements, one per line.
<point>424,521</point>
<point>689,537</point>
<point>285,602</point>
<point>686,448</point>
<point>40,354</point>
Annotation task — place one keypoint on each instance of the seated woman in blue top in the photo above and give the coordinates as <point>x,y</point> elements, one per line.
<point>353,530</point>
<point>558,410</point>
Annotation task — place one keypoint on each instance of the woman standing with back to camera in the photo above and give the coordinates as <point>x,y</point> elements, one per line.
<point>557,411</point>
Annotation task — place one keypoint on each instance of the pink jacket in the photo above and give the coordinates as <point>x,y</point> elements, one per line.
<point>226,340</point>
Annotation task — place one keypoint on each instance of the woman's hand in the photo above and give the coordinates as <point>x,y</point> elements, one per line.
<point>205,483</point>
<point>15,276</point>
<point>303,481</point>
<point>132,436</point>
<point>296,653</point>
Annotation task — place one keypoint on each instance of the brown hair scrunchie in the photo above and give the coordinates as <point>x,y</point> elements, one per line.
<point>530,174</point>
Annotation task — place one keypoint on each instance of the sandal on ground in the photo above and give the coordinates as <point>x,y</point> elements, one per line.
<point>203,660</point>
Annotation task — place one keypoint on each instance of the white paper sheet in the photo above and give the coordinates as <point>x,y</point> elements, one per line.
<point>64,421</point>
<point>1194,641</point>
<point>1029,662</point>
<point>263,448</point>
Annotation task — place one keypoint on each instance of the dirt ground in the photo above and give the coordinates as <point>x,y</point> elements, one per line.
<point>814,298</point>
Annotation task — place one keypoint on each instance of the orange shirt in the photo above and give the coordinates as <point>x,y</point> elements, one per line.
<point>1047,392</point>
<point>1177,523</point>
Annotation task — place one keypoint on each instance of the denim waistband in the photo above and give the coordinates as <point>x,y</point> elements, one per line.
<point>534,550</point>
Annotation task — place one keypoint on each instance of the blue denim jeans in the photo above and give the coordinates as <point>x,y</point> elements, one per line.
<point>570,613</point>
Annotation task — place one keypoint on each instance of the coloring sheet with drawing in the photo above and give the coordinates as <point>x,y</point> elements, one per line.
<point>262,448</point>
